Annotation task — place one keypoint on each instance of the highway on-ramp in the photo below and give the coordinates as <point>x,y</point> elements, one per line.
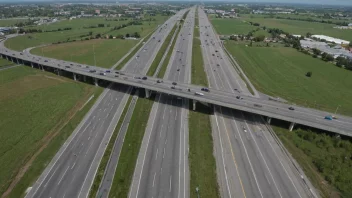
<point>72,170</point>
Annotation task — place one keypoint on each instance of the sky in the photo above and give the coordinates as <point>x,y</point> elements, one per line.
<point>327,2</point>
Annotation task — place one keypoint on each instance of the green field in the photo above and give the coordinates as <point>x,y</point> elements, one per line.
<point>325,159</point>
<point>302,27</point>
<point>5,62</point>
<point>280,71</point>
<point>78,30</point>
<point>37,108</point>
<point>107,51</point>
<point>10,22</point>
<point>231,26</point>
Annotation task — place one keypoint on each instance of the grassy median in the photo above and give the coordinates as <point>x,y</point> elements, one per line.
<point>130,149</point>
<point>201,159</point>
<point>161,52</point>
<point>104,161</point>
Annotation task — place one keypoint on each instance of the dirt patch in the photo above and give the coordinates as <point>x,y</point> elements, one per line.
<point>43,143</point>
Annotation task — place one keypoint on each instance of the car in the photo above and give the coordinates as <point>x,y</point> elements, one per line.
<point>58,65</point>
<point>180,59</point>
<point>159,41</point>
<point>199,94</point>
<point>107,71</point>
<point>205,89</point>
<point>174,83</point>
<point>122,73</point>
<point>46,61</point>
<point>291,108</point>
<point>178,69</point>
<point>158,81</point>
<point>213,54</point>
<point>238,97</point>
<point>172,87</point>
<point>137,77</point>
<point>79,65</point>
<point>71,64</point>
<point>183,65</point>
<point>258,105</point>
<point>102,73</point>
<point>21,53</point>
<point>92,70</point>
<point>177,50</point>
<point>153,37</point>
<point>329,117</point>
<point>116,75</point>
<point>117,72</point>
<point>217,65</point>
<point>67,66</point>
<point>144,78</point>
<point>216,50</point>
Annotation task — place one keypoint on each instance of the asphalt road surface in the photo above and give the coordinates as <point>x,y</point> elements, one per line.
<point>162,165</point>
<point>71,172</point>
<point>249,163</point>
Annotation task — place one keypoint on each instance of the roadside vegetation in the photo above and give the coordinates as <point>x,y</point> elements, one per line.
<point>325,158</point>
<point>327,88</point>
<point>36,119</point>
<point>104,161</point>
<point>107,52</point>
<point>161,52</point>
<point>130,149</point>
<point>201,159</point>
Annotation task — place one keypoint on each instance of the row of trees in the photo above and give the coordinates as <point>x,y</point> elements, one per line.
<point>341,23</point>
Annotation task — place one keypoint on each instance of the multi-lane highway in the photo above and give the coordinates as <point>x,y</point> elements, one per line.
<point>249,163</point>
<point>162,165</point>
<point>72,170</point>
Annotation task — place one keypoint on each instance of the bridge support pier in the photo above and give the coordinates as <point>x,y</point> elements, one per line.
<point>194,104</point>
<point>291,126</point>
<point>74,77</point>
<point>43,68</point>
<point>268,120</point>
<point>95,81</point>
<point>18,62</point>
<point>147,93</point>
<point>84,78</point>
<point>32,64</point>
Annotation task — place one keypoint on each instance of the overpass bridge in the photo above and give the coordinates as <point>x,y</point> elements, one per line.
<point>270,109</point>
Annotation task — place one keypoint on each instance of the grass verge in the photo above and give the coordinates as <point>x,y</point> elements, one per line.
<point>163,68</point>
<point>130,149</point>
<point>161,52</point>
<point>201,159</point>
<point>199,76</point>
<point>133,53</point>
<point>324,158</point>
<point>58,136</point>
<point>104,161</point>
<point>4,62</point>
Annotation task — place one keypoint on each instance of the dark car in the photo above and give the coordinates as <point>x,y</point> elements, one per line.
<point>238,97</point>
<point>117,72</point>
<point>291,108</point>
<point>46,61</point>
<point>136,77</point>
<point>107,71</point>
<point>205,89</point>
<point>178,69</point>
<point>174,83</point>
<point>67,66</point>
<point>92,70</point>
<point>144,78</point>
<point>158,81</point>
<point>116,75</point>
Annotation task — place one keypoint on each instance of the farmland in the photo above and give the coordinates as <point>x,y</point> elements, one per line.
<point>107,51</point>
<point>328,87</point>
<point>37,108</point>
<point>79,31</point>
<point>231,26</point>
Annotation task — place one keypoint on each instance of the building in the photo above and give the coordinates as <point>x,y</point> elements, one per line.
<point>335,51</point>
<point>350,25</point>
<point>330,39</point>
<point>97,11</point>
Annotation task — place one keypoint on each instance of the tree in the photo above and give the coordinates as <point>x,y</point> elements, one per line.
<point>308,35</point>
<point>136,35</point>
<point>350,44</point>
<point>316,51</point>
<point>127,35</point>
<point>98,36</point>
<point>110,36</point>
<point>259,38</point>
<point>309,74</point>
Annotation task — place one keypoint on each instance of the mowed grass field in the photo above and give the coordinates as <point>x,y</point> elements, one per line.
<point>302,27</point>
<point>5,62</point>
<point>30,40</point>
<point>107,51</point>
<point>231,26</point>
<point>280,71</point>
<point>38,111</point>
<point>10,22</point>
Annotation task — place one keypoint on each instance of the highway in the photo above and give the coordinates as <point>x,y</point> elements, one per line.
<point>162,165</point>
<point>72,170</point>
<point>249,163</point>
<point>261,106</point>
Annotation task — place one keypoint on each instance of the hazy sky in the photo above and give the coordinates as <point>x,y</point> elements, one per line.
<point>330,2</point>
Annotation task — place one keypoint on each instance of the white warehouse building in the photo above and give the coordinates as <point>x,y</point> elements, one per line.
<point>331,39</point>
